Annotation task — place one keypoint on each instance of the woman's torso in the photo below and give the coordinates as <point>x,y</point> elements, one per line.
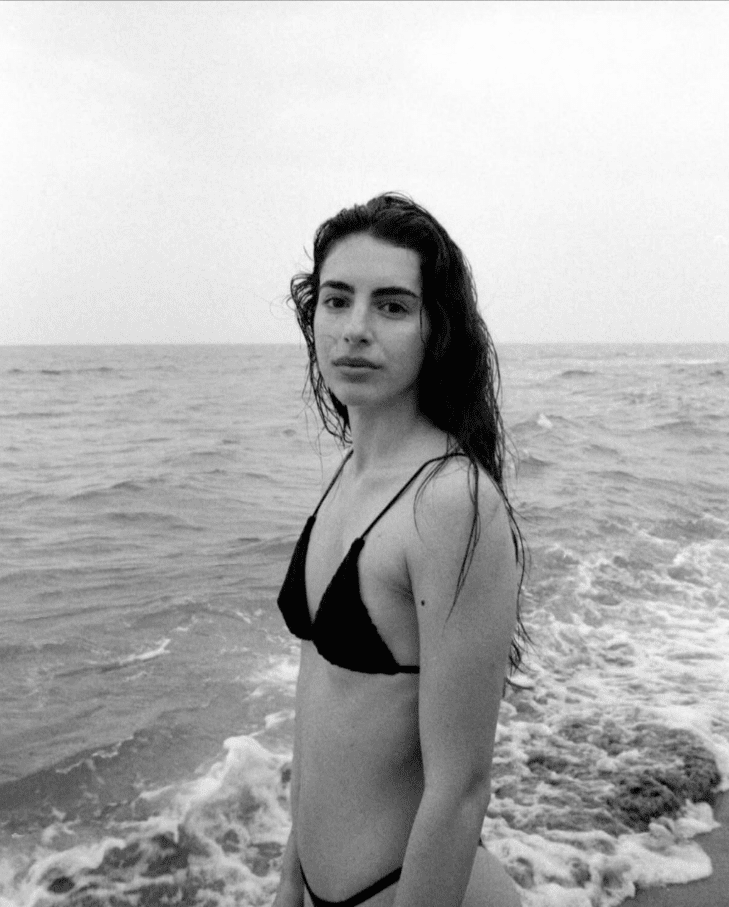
<point>359,760</point>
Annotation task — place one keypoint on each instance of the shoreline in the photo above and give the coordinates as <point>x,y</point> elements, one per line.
<point>708,892</point>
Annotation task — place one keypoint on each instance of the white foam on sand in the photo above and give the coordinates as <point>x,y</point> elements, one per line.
<point>593,868</point>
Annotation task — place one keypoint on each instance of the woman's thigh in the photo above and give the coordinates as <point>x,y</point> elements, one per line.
<point>490,885</point>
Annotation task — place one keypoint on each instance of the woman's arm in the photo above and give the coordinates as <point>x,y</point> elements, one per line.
<point>463,656</point>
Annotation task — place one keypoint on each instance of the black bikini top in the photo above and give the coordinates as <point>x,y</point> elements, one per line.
<point>342,629</point>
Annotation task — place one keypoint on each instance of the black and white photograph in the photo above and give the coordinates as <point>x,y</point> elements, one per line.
<point>364,453</point>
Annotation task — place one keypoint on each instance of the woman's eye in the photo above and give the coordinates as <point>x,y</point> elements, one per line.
<point>391,307</point>
<point>335,302</point>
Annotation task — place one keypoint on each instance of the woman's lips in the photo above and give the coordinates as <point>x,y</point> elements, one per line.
<point>354,362</point>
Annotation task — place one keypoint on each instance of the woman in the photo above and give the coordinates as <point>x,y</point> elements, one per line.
<point>403,586</point>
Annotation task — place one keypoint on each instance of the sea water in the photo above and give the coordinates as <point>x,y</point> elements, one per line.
<point>150,498</point>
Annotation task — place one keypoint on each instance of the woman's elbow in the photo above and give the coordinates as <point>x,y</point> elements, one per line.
<point>478,792</point>
<point>470,791</point>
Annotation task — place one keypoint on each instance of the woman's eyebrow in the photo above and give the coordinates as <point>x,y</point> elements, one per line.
<point>379,292</point>
<point>395,291</point>
<point>337,285</point>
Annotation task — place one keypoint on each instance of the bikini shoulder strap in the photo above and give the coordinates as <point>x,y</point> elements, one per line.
<point>333,481</point>
<point>405,487</point>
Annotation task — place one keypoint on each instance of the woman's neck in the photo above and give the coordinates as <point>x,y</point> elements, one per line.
<point>382,439</point>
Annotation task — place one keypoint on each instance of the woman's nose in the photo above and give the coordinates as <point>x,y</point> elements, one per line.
<point>357,327</point>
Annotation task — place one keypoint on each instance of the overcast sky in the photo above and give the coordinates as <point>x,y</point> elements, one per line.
<point>163,166</point>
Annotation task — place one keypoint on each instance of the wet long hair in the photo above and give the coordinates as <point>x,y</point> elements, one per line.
<point>459,385</point>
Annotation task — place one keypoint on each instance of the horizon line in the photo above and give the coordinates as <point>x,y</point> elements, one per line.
<point>301,343</point>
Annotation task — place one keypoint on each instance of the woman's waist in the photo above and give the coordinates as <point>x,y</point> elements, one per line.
<point>347,837</point>
<point>344,711</point>
<point>366,755</point>
<point>359,777</point>
<point>360,772</point>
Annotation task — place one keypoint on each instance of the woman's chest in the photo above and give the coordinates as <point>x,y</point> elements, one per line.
<point>351,580</point>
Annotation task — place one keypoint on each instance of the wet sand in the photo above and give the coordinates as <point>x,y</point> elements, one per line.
<point>710,892</point>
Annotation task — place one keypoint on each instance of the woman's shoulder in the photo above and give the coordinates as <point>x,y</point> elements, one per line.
<point>462,541</point>
<point>456,487</point>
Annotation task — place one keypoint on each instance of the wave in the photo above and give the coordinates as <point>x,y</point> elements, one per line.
<point>690,362</point>
<point>41,414</point>
<point>215,839</point>
<point>275,549</point>
<point>55,372</point>
<point>159,649</point>
<point>578,373</point>
<point>24,497</point>
<point>529,464</point>
<point>50,575</point>
<point>219,838</point>
<point>118,664</point>
<point>259,476</point>
<point>10,651</point>
<point>543,421</point>
<point>152,518</point>
<point>102,778</point>
<point>617,475</point>
<point>126,485</point>
<point>600,449</point>
<point>679,427</point>
<point>69,612</point>
<point>691,529</point>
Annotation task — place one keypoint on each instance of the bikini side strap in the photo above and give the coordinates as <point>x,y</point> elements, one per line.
<point>405,487</point>
<point>358,898</point>
<point>331,484</point>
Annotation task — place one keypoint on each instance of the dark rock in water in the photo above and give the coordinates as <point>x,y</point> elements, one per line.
<point>611,739</point>
<point>584,821</point>
<point>641,799</point>
<point>61,885</point>
<point>666,767</point>
<point>645,796</point>
<point>702,774</point>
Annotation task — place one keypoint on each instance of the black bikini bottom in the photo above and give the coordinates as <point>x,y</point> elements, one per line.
<point>361,896</point>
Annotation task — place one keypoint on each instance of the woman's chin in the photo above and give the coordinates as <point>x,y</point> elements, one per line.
<point>358,401</point>
<point>351,394</point>
<point>369,395</point>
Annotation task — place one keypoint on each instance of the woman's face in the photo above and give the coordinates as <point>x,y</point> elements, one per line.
<point>370,327</point>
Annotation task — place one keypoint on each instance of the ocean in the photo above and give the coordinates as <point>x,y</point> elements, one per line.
<point>150,498</point>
